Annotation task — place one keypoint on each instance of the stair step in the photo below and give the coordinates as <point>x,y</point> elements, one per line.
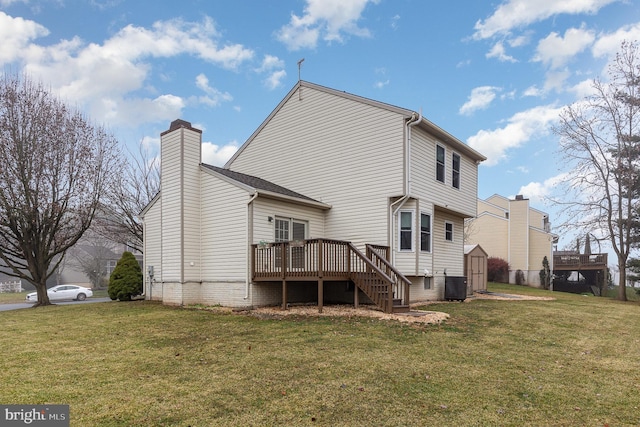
<point>401,308</point>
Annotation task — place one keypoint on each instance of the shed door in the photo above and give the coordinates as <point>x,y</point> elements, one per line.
<point>477,273</point>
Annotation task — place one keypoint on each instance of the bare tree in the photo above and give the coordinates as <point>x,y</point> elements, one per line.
<point>600,144</point>
<point>56,168</point>
<point>136,184</point>
<point>91,256</point>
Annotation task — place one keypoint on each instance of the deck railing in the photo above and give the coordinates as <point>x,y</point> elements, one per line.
<point>579,260</point>
<point>328,259</point>
<point>379,255</point>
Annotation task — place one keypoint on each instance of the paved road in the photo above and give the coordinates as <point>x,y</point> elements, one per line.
<point>16,306</point>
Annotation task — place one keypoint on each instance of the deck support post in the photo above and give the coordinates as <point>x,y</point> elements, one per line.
<point>320,274</point>
<point>284,294</point>
<point>356,296</point>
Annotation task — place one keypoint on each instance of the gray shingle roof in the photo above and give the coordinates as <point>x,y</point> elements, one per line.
<point>257,183</point>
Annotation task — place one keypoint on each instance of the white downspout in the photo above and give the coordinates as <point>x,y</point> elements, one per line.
<point>249,223</point>
<point>414,120</point>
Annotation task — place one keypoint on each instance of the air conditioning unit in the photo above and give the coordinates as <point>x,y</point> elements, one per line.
<point>455,288</point>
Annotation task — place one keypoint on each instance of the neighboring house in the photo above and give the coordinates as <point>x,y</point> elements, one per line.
<point>334,197</point>
<point>514,231</point>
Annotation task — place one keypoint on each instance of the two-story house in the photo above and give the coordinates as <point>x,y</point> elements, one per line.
<point>334,197</point>
<point>512,230</point>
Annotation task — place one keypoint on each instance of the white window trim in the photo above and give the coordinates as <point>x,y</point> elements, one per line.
<point>412,212</point>
<point>444,164</point>
<point>430,232</point>
<point>452,231</point>
<point>290,221</point>
<point>459,170</point>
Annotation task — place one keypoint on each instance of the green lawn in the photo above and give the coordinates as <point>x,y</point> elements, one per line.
<point>571,361</point>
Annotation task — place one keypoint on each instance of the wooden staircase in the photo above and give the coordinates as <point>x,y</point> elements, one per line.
<point>381,282</point>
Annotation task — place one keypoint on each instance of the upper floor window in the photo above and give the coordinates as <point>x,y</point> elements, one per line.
<point>448,231</point>
<point>425,232</point>
<point>440,163</point>
<point>455,167</point>
<point>406,230</point>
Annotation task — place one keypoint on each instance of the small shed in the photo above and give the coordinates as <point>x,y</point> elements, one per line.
<point>475,268</point>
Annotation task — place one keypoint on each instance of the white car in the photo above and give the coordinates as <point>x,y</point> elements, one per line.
<point>64,292</point>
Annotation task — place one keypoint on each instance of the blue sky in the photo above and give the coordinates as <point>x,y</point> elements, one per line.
<point>494,74</point>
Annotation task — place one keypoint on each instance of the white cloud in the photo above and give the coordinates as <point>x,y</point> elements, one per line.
<point>519,41</point>
<point>380,84</point>
<point>16,34</point>
<point>274,66</point>
<point>532,91</point>
<point>498,51</point>
<point>609,44</point>
<point>134,111</point>
<point>151,143</point>
<point>274,80</point>
<point>555,80</point>
<point>213,96</point>
<point>513,14</point>
<point>110,80</point>
<point>329,19</point>
<point>521,128</point>
<point>539,192</point>
<point>556,51</point>
<point>480,99</point>
<point>583,89</point>
<point>5,3</point>
<point>270,62</point>
<point>213,154</point>
<point>394,22</point>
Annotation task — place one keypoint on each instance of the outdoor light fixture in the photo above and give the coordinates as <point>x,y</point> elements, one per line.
<point>270,218</point>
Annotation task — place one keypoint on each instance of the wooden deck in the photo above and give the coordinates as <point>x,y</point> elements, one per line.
<point>579,262</point>
<point>321,260</point>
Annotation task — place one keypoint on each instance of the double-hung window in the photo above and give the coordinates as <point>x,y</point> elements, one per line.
<point>406,230</point>
<point>455,170</point>
<point>425,232</point>
<point>448,231</point>
<point>440,168</point>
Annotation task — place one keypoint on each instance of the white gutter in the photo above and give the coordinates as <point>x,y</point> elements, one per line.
<point>414,120</point>
<point>249,223</point>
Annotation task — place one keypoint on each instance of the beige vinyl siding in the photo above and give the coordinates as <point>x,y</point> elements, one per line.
<point>541,245</point>
<point>171,206</point>
<point>423,175</point>
<point>338,151</point>
<point>191,207</point>
<point>263,208</point>
<point>492,233</point>
<point>224,230</point>
<point>448,255</point>
<point>484,207</point>
<point>500,201</point>
<point>536,218</point>
<point>152,249</point>
<point>519,235</point>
